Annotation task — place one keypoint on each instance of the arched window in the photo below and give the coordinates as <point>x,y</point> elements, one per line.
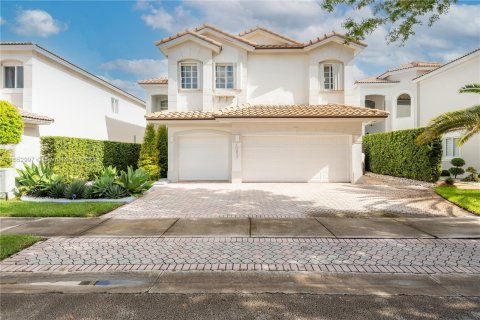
<point>404,106</point>
<point>370,104</point>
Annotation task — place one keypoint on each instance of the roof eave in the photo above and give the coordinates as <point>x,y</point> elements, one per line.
<point>163,47</point>
<point>231,39</point>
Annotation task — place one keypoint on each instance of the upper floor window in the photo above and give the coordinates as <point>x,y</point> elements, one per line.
<point>404,106</point>
<point>224,76</point>
<point>450,148</point>
<point>114,105</point>
<point>189,73</point>
<point>13,77</point>
<point>331,75</point>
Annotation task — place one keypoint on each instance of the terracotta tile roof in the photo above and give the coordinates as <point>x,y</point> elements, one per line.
<point>154,81</point>
<point>34,116</point>
<point>297,45</point>
<point>180,115</point>
<point>244,33</point>
<point>274,111</point>
<point>415,64</point>
<point>375,80</point>
<point>190,32</point>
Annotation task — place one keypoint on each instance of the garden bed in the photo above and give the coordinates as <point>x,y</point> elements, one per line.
<point>56,200</point>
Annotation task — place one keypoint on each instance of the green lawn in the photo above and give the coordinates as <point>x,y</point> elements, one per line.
<point>468,199</point>
<point>17,208</point>
<point>12,243</point>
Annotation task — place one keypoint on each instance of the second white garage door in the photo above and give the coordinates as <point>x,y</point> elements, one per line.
<point>296,159</point>
<point>203,157</point>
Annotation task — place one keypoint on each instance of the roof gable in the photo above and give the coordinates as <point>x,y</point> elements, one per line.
<point>264,36</point>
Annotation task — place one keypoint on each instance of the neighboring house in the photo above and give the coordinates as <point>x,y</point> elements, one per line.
<point>259,107</point>
<point>416,92</point>
<point>58,98</point>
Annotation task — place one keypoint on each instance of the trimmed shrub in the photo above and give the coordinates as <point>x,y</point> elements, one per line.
<point>6,158</point>
<point>457,163</point>
<point>11,123</point>
<point>445,173</point>
<point>162,137</point>
<point>77,158</point>
<point>449,181</point>
<point>149,154</point>
<point>396,154</point>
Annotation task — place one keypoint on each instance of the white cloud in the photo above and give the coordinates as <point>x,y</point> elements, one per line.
<point>2,21</point>
<point>358,73</point>
<point>141,68</point>
<point>37,23</point>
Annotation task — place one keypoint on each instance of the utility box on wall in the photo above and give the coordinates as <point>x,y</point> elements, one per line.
<point>7,183</point>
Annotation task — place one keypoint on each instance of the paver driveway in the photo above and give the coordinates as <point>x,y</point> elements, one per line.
<point>286,200</point>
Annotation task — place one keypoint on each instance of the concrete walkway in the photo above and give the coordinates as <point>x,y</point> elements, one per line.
<point>435,227</point>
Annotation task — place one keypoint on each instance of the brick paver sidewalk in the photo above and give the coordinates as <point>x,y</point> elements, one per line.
<point>278,254</point>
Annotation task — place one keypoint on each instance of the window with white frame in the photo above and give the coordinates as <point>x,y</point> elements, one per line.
<point>451,148</point>
<point>189,74</point>
<point>114,105</point>
<point>163,105</point>
<point>331,75</point>
<point>404,106</point>
<point>13,77</point>
<point>224,76</point>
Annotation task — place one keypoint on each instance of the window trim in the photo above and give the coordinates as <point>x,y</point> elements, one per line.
<point>225,64</point>
<point>338,78</point>
<point>455,146</point>
<point>199,73</point>
<point>114,105</point>
<point>15,77</point>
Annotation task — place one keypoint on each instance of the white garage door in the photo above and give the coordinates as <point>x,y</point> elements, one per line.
<point>203,157</point>
<point>296,159</point>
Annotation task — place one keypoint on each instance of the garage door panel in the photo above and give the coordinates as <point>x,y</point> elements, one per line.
<point>203,157</point>
<point>296,159</point>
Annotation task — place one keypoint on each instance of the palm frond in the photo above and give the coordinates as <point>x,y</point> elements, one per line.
<point>470,88</point>
<point>468,134</point>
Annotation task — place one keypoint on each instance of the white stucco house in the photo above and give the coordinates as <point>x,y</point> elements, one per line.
<point>58,98</point>
<point>259,107</point>
<point>418,91</point>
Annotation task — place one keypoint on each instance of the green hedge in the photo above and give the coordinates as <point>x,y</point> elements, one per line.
<point>6,158</point>
<point>78,158</point>
<point>396,154</point>
<point>11,123</point>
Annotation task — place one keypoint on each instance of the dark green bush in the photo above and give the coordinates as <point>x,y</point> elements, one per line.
<point>449,181</point>
<point>457,163</point>
<point>445,173</point>
<point>396,154</point>
<point>11,123</point>
<point>6,158</point>
<point>75,190</point>
<point>148,160</point>
<point>77,158</point>
<point>162,137</point>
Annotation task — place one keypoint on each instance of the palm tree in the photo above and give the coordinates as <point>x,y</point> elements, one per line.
<point>466,120</point>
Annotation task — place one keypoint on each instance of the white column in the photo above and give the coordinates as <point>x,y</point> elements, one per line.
<point>357,159</point>
<point>236,159</point>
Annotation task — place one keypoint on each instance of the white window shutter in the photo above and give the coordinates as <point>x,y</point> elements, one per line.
<point>321,77</point>
<point>335,76</point>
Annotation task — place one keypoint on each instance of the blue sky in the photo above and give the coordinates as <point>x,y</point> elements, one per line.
<point>114,39</point>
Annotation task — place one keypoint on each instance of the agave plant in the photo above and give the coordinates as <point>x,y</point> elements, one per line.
<point>57,187</point>
<point>99,186</point>
<point>115,191</point>
<point>134,181</point>
<point>88,192</point>
<point>35,179</point>
<point>109,171</point>
<point>75,190</point>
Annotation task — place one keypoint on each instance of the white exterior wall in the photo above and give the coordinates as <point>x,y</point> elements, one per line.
<point>439,94</point>
<point>261,77</point>
<point>80,106</point>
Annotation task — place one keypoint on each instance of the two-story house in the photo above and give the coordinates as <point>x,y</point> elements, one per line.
<point>418,91</point>
<point>58,98</point>
<point>259,107</point>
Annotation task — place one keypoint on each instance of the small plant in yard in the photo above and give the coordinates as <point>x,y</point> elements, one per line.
<point>100,186</point>
<point>35,180</point>
<point>473,174</point>
<point>108,172</point>
<point>75,190</point>
<point>57,188</point>
<point>457,164</point>
<point>149,154</point>
<point>445,173</point>
<point>134,181</point>
<point>115,191</point>
<point>87,192</point>
<point>449,181</point>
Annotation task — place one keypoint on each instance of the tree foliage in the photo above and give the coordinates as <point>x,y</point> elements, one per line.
<point>467,121</point>
<point>401,15</point>
<point>149,153</point>
<point>162,136</point>
<point>11,123</point>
